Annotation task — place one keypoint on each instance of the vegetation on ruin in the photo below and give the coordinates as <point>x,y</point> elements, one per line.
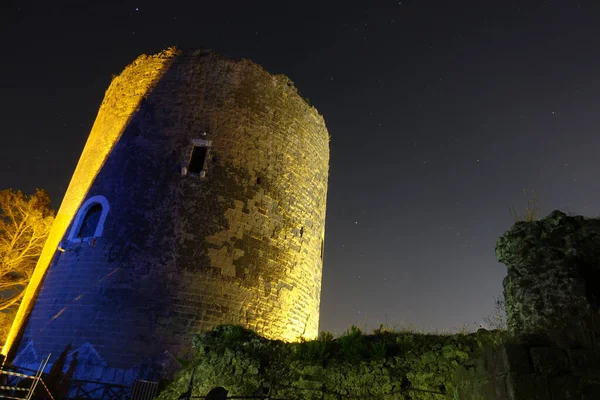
<point>532,209</point>
<point>382,365</point>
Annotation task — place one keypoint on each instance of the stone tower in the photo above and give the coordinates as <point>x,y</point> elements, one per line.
<point>199,199</point>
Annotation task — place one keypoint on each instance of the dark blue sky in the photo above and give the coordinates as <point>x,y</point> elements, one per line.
<point>441,114</point>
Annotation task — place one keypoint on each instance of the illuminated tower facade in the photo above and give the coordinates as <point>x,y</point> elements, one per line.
<point>199,199</point>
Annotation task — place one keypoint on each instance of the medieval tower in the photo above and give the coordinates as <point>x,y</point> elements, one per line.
<point>199,200</point>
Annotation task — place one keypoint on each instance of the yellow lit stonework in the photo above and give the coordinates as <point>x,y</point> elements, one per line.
<point>239,242</point>
<point>113,117</point>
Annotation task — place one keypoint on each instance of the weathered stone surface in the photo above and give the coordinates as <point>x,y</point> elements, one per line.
<point>516,372</point>
<point>590,391</point>
<point>240,242</point>
<point>584,362</point>
<point>525,387</point>
<point>510,358</point>
<point>553,280</point>
<point>549,360</point>
<point>565,388</point>
<point>492,388</point>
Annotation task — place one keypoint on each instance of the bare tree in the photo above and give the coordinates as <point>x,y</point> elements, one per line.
<point>25,223</point>
<point>497,320</point>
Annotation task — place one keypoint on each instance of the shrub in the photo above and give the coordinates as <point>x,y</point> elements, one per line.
<point>385,365</point>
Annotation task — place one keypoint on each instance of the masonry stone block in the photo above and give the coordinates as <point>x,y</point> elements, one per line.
<point>511,358</point>
<point>520,386</point>
<point>97,373</point>
<point>549,360</point>
<point>565,388</point>
<point>495,388</point>
<point>130,376</point>
<point>119,377</point>
<point>108,375</point>
<point>590,390</point>
<point>584,362</point>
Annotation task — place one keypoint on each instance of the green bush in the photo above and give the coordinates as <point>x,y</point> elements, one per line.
<point>384,365</point>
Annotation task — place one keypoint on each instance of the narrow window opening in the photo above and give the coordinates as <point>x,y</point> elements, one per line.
<point>301,231</point>
<point>322,246</point>
<point>90,221</point>
<point>258,180</point>
<point>197,159</point>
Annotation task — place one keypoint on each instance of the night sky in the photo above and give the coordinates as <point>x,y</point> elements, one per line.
<point>441,113</point>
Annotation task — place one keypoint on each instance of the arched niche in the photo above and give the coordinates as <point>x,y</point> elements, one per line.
<point>89,221</point>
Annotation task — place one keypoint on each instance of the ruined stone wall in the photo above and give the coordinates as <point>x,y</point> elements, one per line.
<point>553,280</point>
<point>522,372</point>
<point>551,295</point>
<point>181,253</point>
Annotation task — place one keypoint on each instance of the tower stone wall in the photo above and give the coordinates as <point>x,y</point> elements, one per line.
<point>183,248</point>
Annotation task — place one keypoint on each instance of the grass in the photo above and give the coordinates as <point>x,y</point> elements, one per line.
<point>532,210</point>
